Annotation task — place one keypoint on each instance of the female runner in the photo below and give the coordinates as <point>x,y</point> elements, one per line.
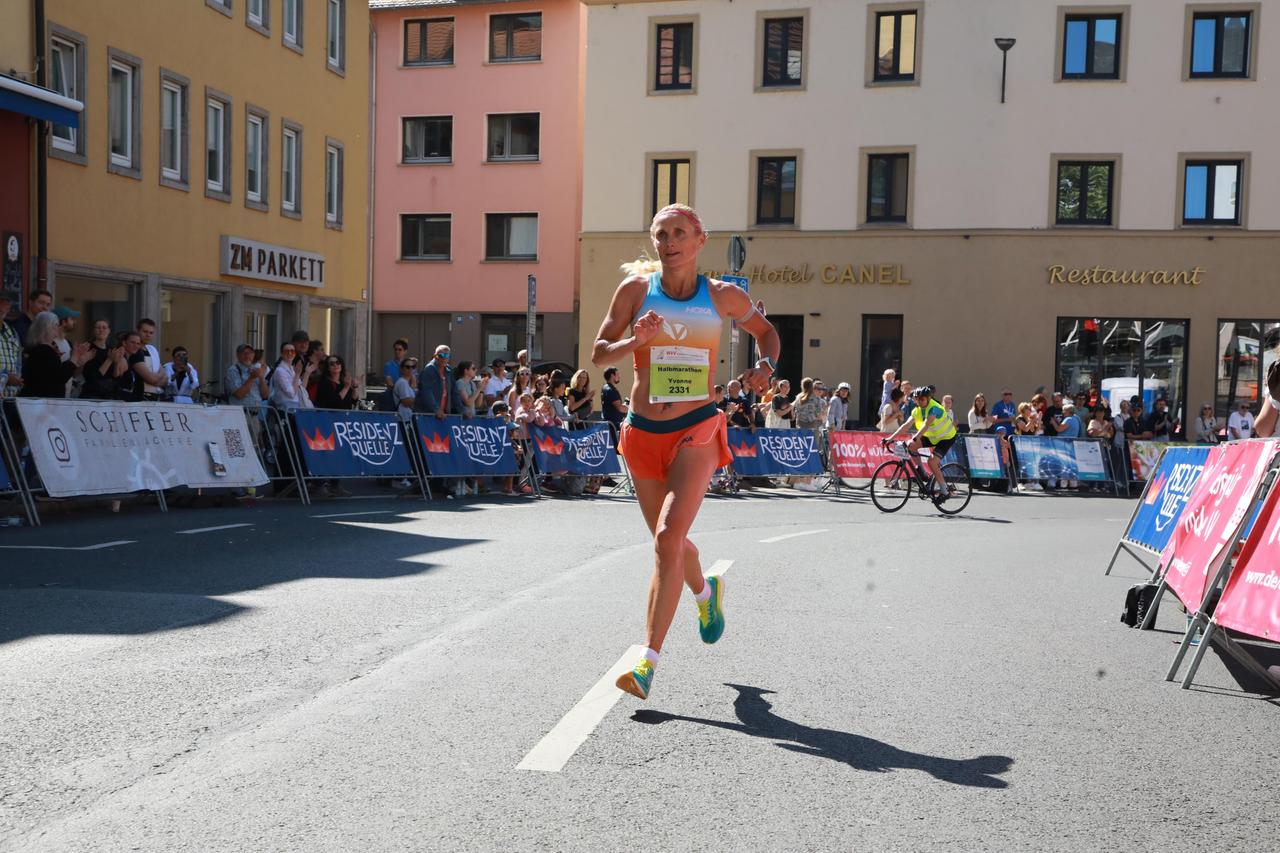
<point>669,319</point>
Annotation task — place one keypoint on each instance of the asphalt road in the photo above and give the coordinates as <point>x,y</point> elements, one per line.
<point>374,681</point>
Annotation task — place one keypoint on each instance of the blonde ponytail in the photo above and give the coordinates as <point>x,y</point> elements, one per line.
<point>643,265</point>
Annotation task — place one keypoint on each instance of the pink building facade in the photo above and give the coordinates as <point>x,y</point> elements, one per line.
<point>477,181</point>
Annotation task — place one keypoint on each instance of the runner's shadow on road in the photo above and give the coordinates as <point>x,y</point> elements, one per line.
<point>756,718</point>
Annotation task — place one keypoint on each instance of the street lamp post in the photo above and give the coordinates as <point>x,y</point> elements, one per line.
<point>1004,44</point>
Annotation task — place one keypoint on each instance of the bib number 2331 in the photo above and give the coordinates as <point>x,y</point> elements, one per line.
<point>677,374</point>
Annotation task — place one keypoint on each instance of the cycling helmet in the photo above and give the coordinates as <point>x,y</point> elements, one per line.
<point>923,391</point>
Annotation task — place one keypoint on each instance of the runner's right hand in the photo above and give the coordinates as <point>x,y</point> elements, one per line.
<point>647,327</point>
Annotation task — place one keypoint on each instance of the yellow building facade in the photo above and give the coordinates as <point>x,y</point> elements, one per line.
<point>219,181</point>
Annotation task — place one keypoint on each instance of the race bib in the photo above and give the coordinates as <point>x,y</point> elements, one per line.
<point>677,374</point>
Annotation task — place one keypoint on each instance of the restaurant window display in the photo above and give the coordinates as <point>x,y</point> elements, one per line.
<point>1246,349</point>
<point>1119,359</point>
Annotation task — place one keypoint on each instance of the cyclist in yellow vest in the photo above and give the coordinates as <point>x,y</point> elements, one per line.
<point>934,428</point>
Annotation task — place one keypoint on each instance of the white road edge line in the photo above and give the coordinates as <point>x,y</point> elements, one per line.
<point>791,536</point>
<point>97,547</point>
<point>346,514</point>
<point>719,567</point>
<point>556,748</point>
<point>212,529</point>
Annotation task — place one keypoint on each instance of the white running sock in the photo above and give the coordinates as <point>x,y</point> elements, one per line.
<point>651,656</point>
<point>705,594</point>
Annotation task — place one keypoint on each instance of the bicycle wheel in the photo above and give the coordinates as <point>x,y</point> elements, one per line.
<point>961,490</point>
<point>892,472</point>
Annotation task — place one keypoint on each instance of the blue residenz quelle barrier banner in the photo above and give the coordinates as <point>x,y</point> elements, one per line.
<point>586,451</point>
<point>474,447</point>
<point>1049,458</point>
<point>771,452</point>
<point>352,443</point>
<point>1170,486</point>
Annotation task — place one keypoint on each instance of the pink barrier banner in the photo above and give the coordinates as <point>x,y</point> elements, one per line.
<point>1251,601</point>
<point>1212,515</point>
<point>855,455</point>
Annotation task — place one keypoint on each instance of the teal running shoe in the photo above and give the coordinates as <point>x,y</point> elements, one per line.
<point>637,681</point>
<point>711,611</point>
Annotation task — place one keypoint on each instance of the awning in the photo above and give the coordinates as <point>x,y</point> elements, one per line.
<point>36,101</point>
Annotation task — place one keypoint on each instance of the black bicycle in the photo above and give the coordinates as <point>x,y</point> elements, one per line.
<point>893,482</point>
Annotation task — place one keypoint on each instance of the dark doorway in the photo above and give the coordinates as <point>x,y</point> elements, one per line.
<point>791,360</point>
<point>881,349</point>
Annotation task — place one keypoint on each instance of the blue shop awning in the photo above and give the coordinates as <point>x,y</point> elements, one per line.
<point>38,102</point>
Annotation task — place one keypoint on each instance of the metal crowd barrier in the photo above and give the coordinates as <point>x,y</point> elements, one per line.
<point>11,464</point>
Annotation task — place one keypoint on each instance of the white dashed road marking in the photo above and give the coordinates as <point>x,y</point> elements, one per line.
<point>97,547</point>
<point>347,514</point>
<point>558,746</point>
<point>212,529</point>
<point>792,536</point>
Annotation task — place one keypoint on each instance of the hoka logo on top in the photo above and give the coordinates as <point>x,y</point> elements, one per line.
<point>320,441</point>
<point>675,331</point>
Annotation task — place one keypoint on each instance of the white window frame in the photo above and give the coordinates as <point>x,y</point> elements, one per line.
<point>335,41</point>
<point>260,17</point>
<point>290,185</point>
<point>333,168</point>
<point>71,79</point>
<point>125,160</point>
<point>172,87</point>
<point>251,162</point>
<point>219,186</point>
<point>291,25</point>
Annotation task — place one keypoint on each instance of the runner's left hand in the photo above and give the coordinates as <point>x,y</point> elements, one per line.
<point>757,380</point>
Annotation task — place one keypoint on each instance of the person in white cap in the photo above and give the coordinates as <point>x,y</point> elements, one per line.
<point>838,411</point>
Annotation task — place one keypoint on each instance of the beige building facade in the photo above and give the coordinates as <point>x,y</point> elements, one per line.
<point>219,180</point>
<point>1112,227</point>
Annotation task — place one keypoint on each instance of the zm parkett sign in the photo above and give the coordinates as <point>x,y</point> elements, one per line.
<point>1059,274</point>
<point>250,259</point>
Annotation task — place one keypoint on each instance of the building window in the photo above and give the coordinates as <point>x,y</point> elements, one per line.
<point>291,23</point>
<point>1084,192</point>
<point>428,139</point>
<point>291,170</point>
<point>337,40</point>
<point>1211,192</point>
<point>428,42</point>
<point>515,38</point>
<point>776,191</point>
<point>1114,360</point>
<point>895,52</point>
<point>1246,349</point>
<point>1091,47</point>
<point>217,147</point>
<point>670,184</point>
<point>504,335</point>
<point>257,132</point>
<point>511,236</point>
<point>257,15</point>
<point>674,57</point>
<point>65,58</point>
<point>223,6</point>
<point>333,168</point>
<point>124,113</point>
<point>1220,43</point>
<point>425,237</point>
<point>513,137</point>
<point>175,138</point>
<point>783,52</point>
<point>887,187</point>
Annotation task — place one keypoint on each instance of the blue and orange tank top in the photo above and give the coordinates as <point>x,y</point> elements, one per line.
<point>679,358</point>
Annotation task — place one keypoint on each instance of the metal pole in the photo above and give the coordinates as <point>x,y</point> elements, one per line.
<point>1004,68</point>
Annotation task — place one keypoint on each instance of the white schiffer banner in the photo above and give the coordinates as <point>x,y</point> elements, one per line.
<point>87,447</point>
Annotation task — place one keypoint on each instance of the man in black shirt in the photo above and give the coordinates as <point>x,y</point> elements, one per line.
<point>611,405</point>
<point>1053,415</point>
<point>1135,425</point>
<point>1158,423</point>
